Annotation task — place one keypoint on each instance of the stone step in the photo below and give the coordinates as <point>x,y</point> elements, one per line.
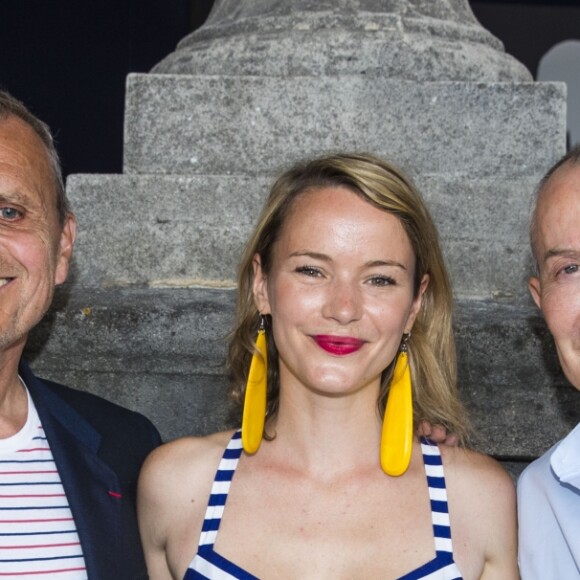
<point>162,352</point>
<point>150,230</point>
<point>185,124</point>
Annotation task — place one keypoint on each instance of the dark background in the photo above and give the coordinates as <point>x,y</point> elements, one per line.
<point>68,59</point>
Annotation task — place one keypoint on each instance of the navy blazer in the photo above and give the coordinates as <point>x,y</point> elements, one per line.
<point>98,448</point>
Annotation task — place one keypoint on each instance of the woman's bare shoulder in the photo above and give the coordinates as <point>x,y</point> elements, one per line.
<point>479,487</point>
<point>186,462</point>
<point>174,486</point>
<point>482,505</point>
<point>187,450</point>
<point>475,468</point>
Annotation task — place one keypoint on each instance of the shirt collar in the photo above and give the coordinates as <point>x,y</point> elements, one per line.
<point>565,460</point>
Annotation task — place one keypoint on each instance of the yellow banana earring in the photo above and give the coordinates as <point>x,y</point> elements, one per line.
<point>397,433</point>
<point>254,414</point>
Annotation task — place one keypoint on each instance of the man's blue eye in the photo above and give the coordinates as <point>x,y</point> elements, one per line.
<point>9,213</point>
<point>571,269</point>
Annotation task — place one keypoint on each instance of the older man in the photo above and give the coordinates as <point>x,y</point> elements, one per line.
<point>69,460</point>
<point>549,489</point>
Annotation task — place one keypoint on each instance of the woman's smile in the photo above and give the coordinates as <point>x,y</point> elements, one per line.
<point>338,345</point>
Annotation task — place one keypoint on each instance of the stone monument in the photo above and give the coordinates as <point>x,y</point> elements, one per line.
<point>262,84</point>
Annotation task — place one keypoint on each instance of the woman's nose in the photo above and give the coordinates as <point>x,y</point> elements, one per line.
<point>343,302</point>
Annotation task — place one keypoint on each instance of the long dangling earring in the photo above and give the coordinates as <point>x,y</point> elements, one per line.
<point>254,414</point>
<point>397,434</point>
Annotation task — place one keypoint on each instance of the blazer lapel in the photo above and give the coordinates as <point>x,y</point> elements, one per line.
<point>91,487</point>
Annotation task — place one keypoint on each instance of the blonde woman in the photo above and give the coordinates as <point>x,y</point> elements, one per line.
<point>344,281</point>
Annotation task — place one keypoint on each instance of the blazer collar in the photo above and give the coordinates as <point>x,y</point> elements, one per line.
<point>51,407</point>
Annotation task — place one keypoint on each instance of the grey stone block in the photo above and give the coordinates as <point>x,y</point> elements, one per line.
<point>190,231</point>
<point>483,226</point>
<point>249,125</point>
<point>162,352</point>
<point>136,330</point>
<point>514,468</point>
<point>511,380</point>
<point>179,404</point>
<point>162,231</point>
<point>159,352</point>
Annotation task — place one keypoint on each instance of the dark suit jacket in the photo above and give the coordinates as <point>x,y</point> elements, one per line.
<point>98,448</point>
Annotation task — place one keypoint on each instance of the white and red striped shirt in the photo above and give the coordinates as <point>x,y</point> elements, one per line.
<point>38,536</point>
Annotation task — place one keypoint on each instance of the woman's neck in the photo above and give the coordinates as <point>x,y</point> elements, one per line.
<point>327,434</point>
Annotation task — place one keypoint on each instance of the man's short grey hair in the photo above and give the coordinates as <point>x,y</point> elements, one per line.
<point>10,106</point>
<point>571,158</point>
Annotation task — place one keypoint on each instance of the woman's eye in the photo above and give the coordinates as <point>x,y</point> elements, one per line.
<point>308,271</point>
<point>382,281</point>
<point>9,213</point>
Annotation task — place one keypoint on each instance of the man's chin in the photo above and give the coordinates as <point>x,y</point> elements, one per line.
<point>11,339</point>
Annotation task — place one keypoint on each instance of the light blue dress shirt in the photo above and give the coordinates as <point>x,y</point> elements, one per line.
<point>549,513</point>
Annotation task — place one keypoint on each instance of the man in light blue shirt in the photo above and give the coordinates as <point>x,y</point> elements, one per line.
<point>549,489</point>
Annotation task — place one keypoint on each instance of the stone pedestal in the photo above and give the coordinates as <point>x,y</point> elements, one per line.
<point>419,40</point>
<point>261,85</point>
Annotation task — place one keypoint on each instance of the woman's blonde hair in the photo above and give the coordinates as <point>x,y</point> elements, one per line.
<point>431,346</point>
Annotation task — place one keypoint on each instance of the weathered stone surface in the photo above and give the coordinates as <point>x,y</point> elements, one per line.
<point>510,379</point>
<point>413,40</point>
<point>141,330</point>
<point>190,231</point>
<point>179,404</point>
<point>162,352</point>
<point>250,125</point>
<point>163,230</point>
<point>483,226</point>
<point>515,468</point>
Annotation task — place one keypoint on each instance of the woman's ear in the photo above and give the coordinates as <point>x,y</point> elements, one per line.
<point>417,302</point>
<point>260,286</point>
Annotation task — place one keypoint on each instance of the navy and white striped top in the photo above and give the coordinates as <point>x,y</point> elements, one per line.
<point>38,536</point>
<point>209,564</point>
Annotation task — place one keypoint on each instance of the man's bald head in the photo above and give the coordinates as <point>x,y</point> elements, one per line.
<point>571,159</point>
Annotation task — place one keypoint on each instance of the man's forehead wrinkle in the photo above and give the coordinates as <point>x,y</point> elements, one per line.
<point>561,253</point>
<point>20,196</point>
<point>26,180</point>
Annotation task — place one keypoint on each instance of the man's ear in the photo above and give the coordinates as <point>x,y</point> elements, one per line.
<point>65,248</point>
<point>260,286</point>
<point>535,288</point>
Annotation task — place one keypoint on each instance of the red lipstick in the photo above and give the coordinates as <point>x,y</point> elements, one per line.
<point>338,345</point>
